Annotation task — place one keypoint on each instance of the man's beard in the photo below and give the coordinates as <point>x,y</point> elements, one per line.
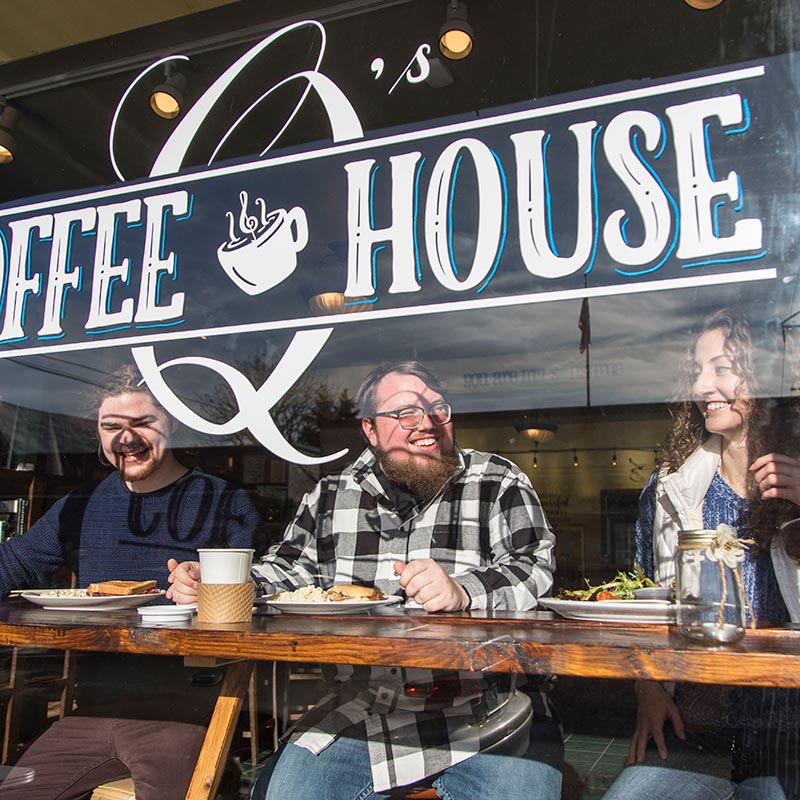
<point>139,470</point>
<point>420,474</point>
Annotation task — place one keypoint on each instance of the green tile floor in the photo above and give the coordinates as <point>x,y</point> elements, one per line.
<point>591,764</point>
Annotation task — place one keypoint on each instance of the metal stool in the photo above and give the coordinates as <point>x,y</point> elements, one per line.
<point>508,727</point>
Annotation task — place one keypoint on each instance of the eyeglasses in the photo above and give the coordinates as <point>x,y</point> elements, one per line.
<point>411,417</point>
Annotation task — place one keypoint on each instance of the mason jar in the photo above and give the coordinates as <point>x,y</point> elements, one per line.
<point>708,586</point>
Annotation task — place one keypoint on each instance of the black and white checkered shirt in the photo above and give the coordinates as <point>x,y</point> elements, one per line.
<point>486,528</point>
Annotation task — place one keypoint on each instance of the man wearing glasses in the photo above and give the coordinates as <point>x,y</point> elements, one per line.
<point>448,530</point>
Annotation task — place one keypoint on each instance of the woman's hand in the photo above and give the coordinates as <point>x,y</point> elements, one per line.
<point>777,475</point>
<point>655,708</point>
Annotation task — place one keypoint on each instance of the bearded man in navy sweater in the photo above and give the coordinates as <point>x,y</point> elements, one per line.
<point>135,524</point>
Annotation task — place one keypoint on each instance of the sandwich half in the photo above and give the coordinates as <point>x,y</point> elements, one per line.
<point>120,587</point>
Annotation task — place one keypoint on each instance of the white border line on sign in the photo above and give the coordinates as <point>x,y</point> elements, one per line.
<point>508,301</point>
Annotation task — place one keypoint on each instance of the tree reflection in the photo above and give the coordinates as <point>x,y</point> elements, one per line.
<point>309,406</point>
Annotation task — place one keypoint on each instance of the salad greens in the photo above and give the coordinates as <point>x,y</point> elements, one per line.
<point>621,588</point>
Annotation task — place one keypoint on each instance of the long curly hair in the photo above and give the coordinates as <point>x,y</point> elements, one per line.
<point>772,424</point>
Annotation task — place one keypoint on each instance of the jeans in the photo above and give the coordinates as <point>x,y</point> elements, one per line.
<point>342,772</point>
<point>664,783</point>
<point>697,769</point>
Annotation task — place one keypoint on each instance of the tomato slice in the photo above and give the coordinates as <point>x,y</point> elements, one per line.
<point>606,595</point>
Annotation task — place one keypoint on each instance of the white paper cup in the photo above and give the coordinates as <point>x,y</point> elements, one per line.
<point>225,565</point>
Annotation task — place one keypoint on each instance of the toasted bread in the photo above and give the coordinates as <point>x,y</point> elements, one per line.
<point>120,587</point>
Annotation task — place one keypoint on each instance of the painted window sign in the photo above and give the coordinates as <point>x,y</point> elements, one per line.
<point>633,189</point>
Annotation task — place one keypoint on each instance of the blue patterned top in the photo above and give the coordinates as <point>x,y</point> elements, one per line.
<point>721,505</point>
<point>753,708</point>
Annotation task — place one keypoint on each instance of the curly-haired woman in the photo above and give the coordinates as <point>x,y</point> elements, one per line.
<point>731,457</point>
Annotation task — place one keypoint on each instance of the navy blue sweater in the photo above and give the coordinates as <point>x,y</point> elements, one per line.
<point>104,531</point>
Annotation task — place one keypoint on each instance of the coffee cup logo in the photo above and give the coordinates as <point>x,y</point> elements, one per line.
<point>263,252</point>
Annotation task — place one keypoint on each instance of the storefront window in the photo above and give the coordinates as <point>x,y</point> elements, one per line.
<point>544,224</point>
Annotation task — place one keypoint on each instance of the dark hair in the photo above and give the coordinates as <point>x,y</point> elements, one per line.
<point>773,424</point>
<point>365,398</point>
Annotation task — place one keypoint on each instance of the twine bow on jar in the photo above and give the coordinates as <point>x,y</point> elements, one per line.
<point>728,550</point>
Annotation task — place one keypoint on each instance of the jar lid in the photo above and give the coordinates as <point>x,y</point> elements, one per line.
<point>696,538</point>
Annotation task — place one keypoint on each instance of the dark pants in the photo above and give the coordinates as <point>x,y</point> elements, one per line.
<point>77,754</point>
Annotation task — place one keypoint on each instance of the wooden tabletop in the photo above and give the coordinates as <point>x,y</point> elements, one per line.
<point>525,642</point>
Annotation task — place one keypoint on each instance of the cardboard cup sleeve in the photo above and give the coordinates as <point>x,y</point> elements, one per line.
<point>225,602</point>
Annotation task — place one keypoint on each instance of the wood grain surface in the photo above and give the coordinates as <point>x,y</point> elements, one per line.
<point>524,642</point>
<point>211,761</point>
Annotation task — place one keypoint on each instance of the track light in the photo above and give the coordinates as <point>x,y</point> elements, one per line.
<point>456,35</point>
<point>9,120</point>
<point>574,458</point>
<point>167,99</point>
<point>536,456</point>
<point>614,458</point>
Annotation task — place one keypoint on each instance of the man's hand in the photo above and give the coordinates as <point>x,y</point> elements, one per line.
<point>777,475</point>
<point>184,578</point>
<point>655,708</point>
<point>431,586</point>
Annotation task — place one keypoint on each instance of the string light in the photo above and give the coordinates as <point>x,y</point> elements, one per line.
<point>610,451</point>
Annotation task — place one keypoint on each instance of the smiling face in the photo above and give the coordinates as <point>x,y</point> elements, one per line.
<point>718,390</point>
<point>135,436</point>
<point>427,452</point>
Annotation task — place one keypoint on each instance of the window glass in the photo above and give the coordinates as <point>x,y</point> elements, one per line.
<point>546,225</point>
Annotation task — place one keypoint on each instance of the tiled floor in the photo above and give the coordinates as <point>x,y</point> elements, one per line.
<point>591,764</point>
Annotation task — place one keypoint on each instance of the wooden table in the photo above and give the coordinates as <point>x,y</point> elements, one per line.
<point>522,642</point>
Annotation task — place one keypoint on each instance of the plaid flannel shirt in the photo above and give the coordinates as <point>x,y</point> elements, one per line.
<point>486,528</point>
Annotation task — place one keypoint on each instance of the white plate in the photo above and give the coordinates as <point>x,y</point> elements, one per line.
<point>340,607</point>
<point>165,614</point>
<point>653,593</point>
<point>653,611</point>
<point>45,598</point>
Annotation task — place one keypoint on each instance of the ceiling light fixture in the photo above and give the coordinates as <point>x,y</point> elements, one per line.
<point>456,35</point>
<point>703,5</point>
<point>9,120</point>
<point>536,432</point>
<point>335,303</point>
<point>614,458</point>
<point>439,76</point>
<point>168,98</point>
<point>574,458</point>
